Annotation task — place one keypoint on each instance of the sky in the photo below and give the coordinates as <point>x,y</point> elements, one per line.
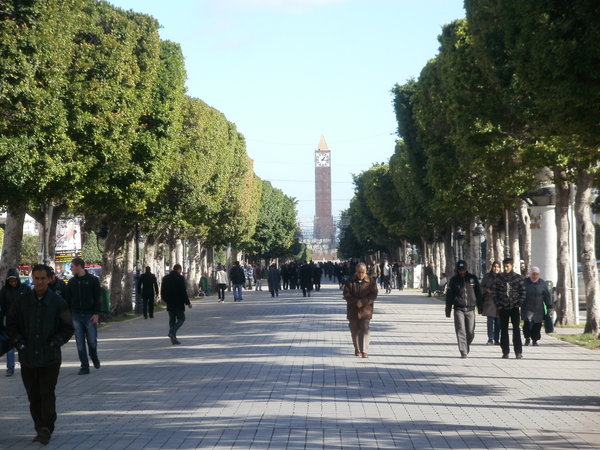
<point>288,71</point>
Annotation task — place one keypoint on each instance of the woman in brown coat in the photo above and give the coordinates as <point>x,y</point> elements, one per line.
<point>360,293</point>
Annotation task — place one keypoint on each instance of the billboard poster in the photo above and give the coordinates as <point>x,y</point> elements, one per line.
<point>68,239</point>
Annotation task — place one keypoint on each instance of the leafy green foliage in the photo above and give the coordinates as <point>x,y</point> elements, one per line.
<point>276,226</point>
<point>92,254</point>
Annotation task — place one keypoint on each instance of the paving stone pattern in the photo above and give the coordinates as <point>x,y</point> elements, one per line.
<point>281,373</point>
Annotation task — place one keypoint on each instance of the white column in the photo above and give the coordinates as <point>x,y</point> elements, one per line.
<point>543,242</point>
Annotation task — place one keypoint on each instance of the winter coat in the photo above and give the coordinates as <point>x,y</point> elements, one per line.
<point>147,285</point>
<point>60,287</point>
<point>536,295</point>
<point>9,294</point>
<point>174,292</point>
<point>274,279</point>
<point>222,277</point>
<point>375,271</point>
<point>360,296</point>
<point>509,290</point>
<point>39,328</point>
<point>463,293</point>
<point>487,284</point>
<point>83,294</point>
<point>237,275</point>
<point>306,276</point>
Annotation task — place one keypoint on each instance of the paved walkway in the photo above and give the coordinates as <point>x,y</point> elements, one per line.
<point>280,373</point>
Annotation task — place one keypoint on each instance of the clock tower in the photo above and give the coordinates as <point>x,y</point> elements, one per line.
<point>324,230</point>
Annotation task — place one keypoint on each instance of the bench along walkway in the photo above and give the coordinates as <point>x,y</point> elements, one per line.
<point>281,373</point>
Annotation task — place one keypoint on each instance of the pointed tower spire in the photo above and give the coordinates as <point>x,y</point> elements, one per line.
<point>322,145</point>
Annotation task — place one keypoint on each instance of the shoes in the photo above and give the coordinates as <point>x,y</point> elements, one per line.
<point>463,355</point>
<point>365,355</point>
<point>505,356</point>
<point>496,342</point>
<point>519,356</point>
<point>220,301</point>
<point>43,436</point>
<point>527,341</point>
<point>84,371</point>
<point>535,344</point>
<point>357,353</point>
<point>490,342</point>
<point>10,372</point>
<point>172,337</point>
<point>175,341</point>
<point>146,317</point>
<point>96,363</point>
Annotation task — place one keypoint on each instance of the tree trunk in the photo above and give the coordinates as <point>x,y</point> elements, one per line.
<point>450,262</point>
<point>112,273</point>
<point>515,251</point>
<point>499,243</point>
<point>564,291</point>
<point>13,237</point>
<point>490,254</point>
<point>150,253</point>
<point>586,233</point>
<point>526,230</point>
<point>129,267</point>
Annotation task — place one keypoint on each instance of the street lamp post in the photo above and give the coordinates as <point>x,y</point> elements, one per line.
<point>479,231</point>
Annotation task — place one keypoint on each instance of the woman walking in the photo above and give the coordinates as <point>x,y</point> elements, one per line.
<point>489,307</point>
<point>537,296</point>
<point>360,292</point>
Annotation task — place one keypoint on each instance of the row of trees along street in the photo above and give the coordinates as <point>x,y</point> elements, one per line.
<point>96,123</point>
<point>510,103</point>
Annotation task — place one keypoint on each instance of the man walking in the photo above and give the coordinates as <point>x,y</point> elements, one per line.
<point>463,295</point>
<point>238,278</point>
<point>174,293</point>
<point>12,290</point>
<point>83,296</point>
<point>39,323</point>
<point>509,295</point>
<point>147,288</point>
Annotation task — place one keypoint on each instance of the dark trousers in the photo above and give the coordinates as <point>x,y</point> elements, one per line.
<point>40,383</point>
<point>176,319</point>
<point>306,291</point>
<point>513,315</point>
<point>148,306</point>
<point>221,291</point>
<point>532,330</point>
<point>361,335</point>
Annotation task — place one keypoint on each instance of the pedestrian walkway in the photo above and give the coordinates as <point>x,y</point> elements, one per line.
<point>281,373</point>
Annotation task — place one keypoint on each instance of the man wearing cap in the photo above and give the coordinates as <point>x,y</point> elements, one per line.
<point>463,295</point>
<point>509,295</point>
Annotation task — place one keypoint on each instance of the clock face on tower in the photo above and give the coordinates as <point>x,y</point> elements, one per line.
<point>322,159</point>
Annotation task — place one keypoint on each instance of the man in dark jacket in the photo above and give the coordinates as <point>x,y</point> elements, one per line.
<point>83,296</point>
<point>464,296</point>
<point>147,288</point>
<point>57,285</point>
<point>174,293</point>
<point>509,295</point>
<point>238,278</point>
<point>39,323</point>
<point>12,290</point>
<point>306,278</point>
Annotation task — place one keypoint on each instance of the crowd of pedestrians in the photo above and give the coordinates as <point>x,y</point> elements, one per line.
<point>40,320</point>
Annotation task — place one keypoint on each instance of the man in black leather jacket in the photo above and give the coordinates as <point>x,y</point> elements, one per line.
<point>39,323</point>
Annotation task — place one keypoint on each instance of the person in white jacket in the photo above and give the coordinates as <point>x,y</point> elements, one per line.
<point>222,282</point>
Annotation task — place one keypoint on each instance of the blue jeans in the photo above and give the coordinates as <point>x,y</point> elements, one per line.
<point>237,292</point>
<point>10,359</point>
<point>85,330</point>
<point>493,328</point>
